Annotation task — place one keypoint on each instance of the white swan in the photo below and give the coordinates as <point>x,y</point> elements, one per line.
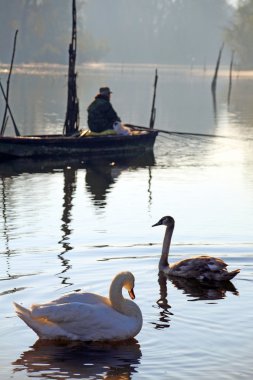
<point>199,267</point>
<point>87,316</point>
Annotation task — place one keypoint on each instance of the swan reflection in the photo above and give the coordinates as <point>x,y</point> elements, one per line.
<point>192,288</point>
<point>162,303</point>
<point>58,360</point>
<point>205,290</point>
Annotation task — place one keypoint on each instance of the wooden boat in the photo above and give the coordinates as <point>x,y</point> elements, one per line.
<point>111,146</point>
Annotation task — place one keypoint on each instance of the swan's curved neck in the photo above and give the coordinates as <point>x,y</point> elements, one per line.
<point>166,247</point>
<point>118,302</point>
<point>115,294</point>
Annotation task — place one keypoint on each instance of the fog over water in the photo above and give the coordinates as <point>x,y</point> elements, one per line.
<point>183,32</point>
<point>188,32</point>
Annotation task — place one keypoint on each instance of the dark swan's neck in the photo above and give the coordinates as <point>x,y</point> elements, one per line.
<point>163,263</point>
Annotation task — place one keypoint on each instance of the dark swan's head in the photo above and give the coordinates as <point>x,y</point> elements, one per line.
<point>165,221</point>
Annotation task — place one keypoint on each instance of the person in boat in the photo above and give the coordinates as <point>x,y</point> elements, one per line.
<point>102,116</point>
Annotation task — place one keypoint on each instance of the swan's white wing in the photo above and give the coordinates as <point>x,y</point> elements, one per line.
<point>86,322</point>
<point>87,298</point>
<point>59,313</point>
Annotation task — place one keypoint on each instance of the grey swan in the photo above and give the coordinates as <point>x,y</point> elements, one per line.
<point>198,267</point>
<point>87,316</point>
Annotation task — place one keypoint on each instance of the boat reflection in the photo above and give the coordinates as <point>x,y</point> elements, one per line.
<point>100,174</point>
<point>162,304</point>
<point>52,360</point>
<point>15,167</point>
<point>203,290</point>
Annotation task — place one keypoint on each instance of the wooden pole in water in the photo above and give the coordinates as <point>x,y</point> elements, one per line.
<point>153,109</point>
<point>213,86</point>
<point>11,115</point>
<point>230,76</point>
<point>6,95</point>
<point>71,124</point>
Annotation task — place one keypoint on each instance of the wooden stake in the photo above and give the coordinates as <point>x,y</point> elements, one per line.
<point>8,107</point>
<point>4,122</point>
<point>153,109</point>
<point>71,124</point>
<point>230,77</point>
<point>213,86</point>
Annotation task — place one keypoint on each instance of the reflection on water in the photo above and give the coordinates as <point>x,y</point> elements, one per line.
<point>99,179</point>
<point>197,291</point>
<point>101,175</point>
<point>5,233</point>
<point>69,189</point>
<point>163,305</point>
<point>16,167</point>
<point>52,360</point>
<point>203,290</point>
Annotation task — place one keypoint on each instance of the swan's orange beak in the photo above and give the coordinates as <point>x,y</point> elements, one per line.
<point>131,294</point>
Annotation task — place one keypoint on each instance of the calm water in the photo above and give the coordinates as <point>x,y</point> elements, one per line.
<point>69,226</point>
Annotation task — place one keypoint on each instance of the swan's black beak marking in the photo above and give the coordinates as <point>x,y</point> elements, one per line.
<point>131,294</point>
<point>157,224</point>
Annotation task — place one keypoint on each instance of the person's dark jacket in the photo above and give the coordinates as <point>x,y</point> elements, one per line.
<point>101,114</point>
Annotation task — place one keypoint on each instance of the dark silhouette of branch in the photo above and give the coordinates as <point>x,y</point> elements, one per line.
<point>4,122</point>
<point>71,124</point>
<point>11,115</point>
<point>213,86</point>
<point>153,109</point>
<point>230,77</point>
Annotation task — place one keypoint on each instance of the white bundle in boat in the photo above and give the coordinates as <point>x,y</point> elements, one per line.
<point>120,129</point>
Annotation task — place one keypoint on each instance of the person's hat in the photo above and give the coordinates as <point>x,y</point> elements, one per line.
<point>105,91</point>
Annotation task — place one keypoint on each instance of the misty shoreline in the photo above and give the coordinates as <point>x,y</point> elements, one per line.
<point>61,69</point>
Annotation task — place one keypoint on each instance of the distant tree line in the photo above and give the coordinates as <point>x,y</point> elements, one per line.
<point>152,31</point>
<point>44,31</point>
<point>239,34</point>
<point>160,31</point>
<point>174,31</point>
